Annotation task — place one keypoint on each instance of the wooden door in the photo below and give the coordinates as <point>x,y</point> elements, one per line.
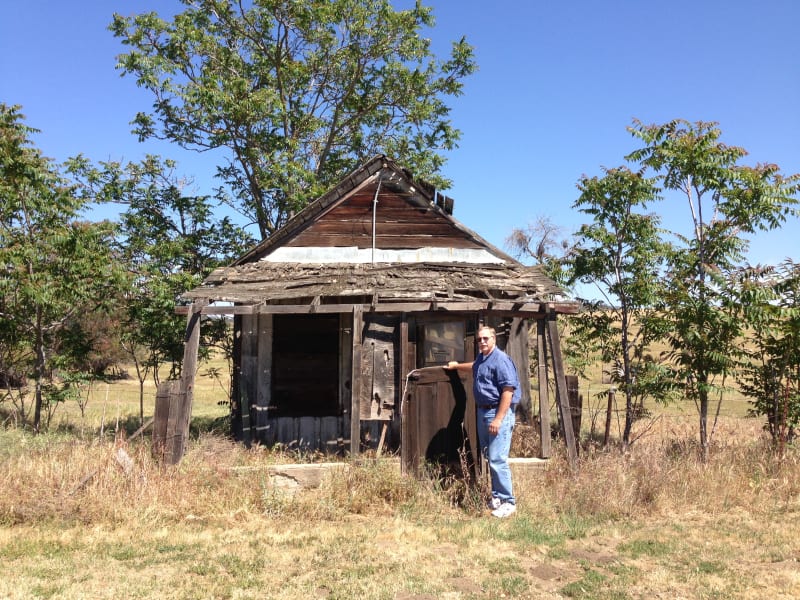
<point>439,425</point>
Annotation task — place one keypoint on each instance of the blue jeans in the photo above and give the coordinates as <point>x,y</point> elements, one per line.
<point>495,449</point>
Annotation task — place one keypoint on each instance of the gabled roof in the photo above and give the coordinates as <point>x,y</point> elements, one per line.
<point>379,176</point>
<point>387,242</point>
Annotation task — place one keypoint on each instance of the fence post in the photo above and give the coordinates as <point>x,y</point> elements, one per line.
<point>611,399</point>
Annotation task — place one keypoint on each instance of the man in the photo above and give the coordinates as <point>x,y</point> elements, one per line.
<point>497,392</point>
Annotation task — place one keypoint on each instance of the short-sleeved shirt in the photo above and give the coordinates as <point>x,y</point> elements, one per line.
<point>491,374</point>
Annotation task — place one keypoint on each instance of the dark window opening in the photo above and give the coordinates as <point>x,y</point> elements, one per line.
<point>305,366</point>
<point>442,341</point>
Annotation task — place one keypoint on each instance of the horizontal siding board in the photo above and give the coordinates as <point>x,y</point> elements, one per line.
<point>408,214</point>
<point>365,199</point>
<point>427,227</point>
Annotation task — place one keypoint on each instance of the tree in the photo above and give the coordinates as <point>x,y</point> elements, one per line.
<point>769,302</point>
<point>297,93</point>
<point>544,242</point>
<point>169,242</point>
<point>727,201</point>
<point>622,253</point>
<point>55,266</point>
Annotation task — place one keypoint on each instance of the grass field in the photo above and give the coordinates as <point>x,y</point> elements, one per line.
<point>80,520</point>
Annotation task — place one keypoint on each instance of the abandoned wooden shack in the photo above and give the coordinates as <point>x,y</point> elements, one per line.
<point>344,317</point>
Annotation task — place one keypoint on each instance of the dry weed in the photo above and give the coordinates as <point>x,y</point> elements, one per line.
<point>662,474</point>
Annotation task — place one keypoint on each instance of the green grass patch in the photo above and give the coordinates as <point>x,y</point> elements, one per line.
<point>645,548</point>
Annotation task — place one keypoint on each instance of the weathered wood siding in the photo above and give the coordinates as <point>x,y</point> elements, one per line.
<point>397,224</point>
<point>379,367</point>
<point>248,386</point>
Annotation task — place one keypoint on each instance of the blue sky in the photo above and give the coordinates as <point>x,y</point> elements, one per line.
<point>558,83</point>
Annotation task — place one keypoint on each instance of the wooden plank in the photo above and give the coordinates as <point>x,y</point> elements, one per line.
<point>387,199</point>
<point>355,378</point>
<point>263,374</point>
<point>308,437</point>
<point>220,310</point>
<point>399,306</point>
<point>561,389</point>
<point>612,393</point>
<point>471,413</point>
<point>160,417</point>
<point>517,349</point>
<point>248,380</point>
<point>360,228</point>
<point>345,364</point>
<point>410,216</point>
<point>236,380</point>
<point>405,368</point>
<point>379,367</point>
<point>184,401</point>
<point>330,434</point>
<point>575,404</point>
<point>285,430</point>
<point>408,417</point>
<point>188,372</point>
<point>544,394</point>
<point>173,447</point>
<point>442,306</point>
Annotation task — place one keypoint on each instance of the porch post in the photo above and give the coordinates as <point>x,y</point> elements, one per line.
<point>188,368</point>
<point>355,379</point>
<point>561,387</point>
<point>544,395</point>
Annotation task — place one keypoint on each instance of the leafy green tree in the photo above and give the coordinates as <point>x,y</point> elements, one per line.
<point>727,201</point>
<point>54,266</point>
<point>169,242</point>
<point>621,253</point>
<point>297,93</point>
<point>769,301</point>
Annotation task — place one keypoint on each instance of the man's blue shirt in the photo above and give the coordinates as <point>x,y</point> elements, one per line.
<point>491,374</point>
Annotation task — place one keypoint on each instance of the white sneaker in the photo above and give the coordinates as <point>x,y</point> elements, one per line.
<point>506,509</point>
<point>494,503</point>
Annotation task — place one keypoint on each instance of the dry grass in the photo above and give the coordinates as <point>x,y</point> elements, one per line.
<point>76,522</point>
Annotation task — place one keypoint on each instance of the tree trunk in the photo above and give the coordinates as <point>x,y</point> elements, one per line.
<point>703,424</point>
<point>38,373</point>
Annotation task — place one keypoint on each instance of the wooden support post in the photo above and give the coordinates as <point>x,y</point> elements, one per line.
<point>575,406</point>
<point>188,368</point>
<point>236,379</point>
<point>405,369</point>
<point>384,427</point>
<point>561,387</point>
<point>160,417</point>
<point>355,388</point>
<point>248,382</point>
<point>263,377</point>
<point>169,433</point>
<point>609,412</point>
<point>544,395</point>
<point>177,424</point>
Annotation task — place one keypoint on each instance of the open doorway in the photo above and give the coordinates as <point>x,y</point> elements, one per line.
<point>305,366</point>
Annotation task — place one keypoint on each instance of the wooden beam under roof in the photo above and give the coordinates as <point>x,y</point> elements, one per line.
<point>505,308</point>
